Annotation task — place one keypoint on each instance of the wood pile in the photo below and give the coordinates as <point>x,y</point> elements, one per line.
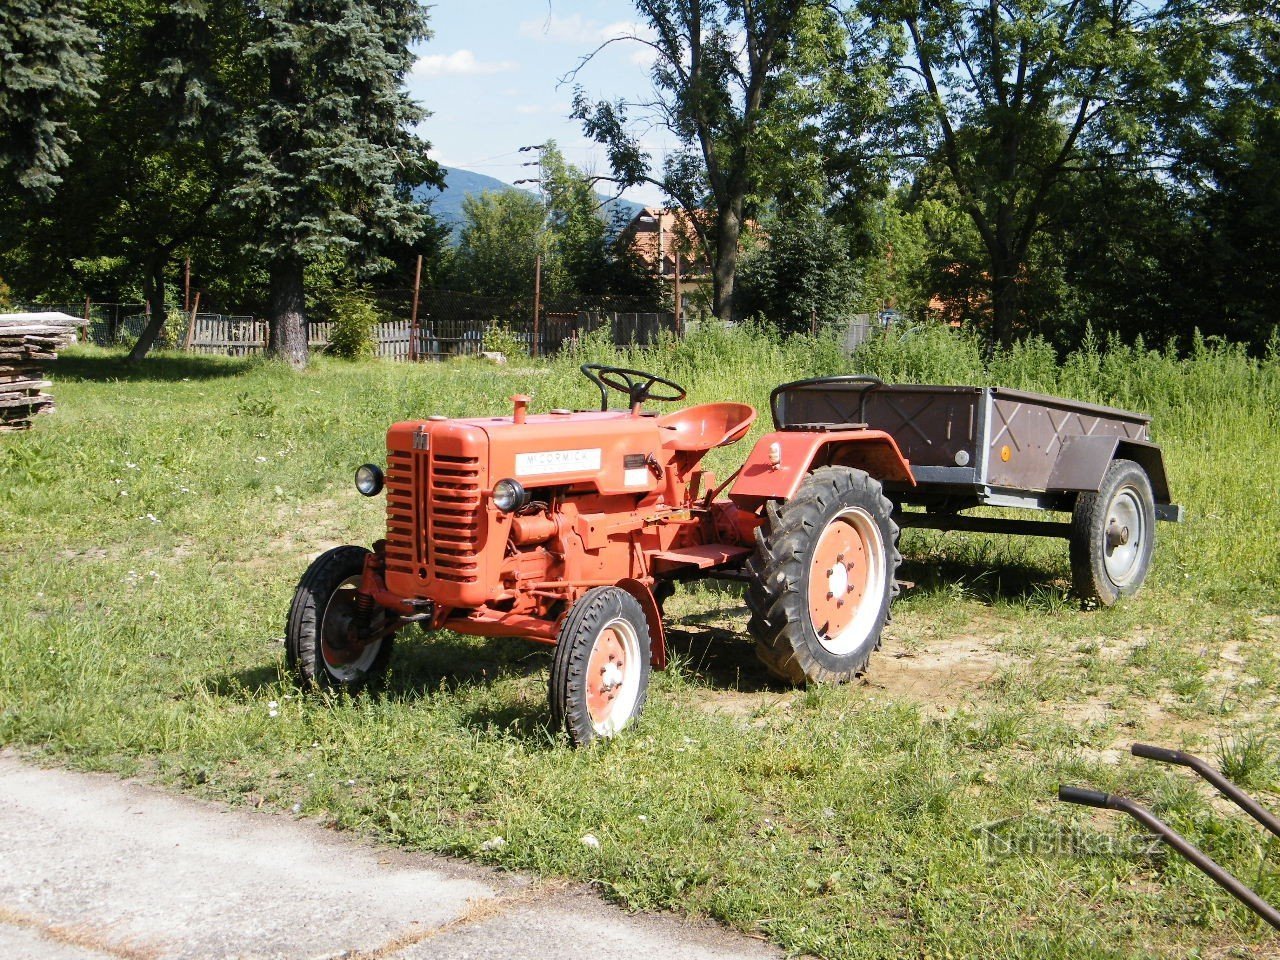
<point>27,342</point>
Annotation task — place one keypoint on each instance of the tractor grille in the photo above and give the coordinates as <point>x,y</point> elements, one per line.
<point>454,518</point>
<point>403,516</point>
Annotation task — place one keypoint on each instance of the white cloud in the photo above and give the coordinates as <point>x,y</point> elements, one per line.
<point>460,63</point>
<point>574,29</point>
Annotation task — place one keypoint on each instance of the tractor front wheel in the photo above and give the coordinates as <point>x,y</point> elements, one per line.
<point>600,673</point>
<point>327,643</point>
<point>822,577</point>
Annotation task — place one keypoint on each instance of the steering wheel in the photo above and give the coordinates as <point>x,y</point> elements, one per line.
<point>636,384</point>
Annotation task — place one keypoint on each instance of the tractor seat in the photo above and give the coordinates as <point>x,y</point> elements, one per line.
<point>706,425</point>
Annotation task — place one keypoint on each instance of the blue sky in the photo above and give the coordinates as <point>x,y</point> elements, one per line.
<point>490,78</point>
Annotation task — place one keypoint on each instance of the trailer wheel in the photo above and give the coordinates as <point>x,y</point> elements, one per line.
<point>1113,535</point>
<point>317,643</point>
<point>822,577</point>
<point>600,673</point>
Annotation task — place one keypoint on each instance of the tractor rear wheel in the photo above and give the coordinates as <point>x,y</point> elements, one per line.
<point>320,642</point>
<point>1113,535</point>
<point>822,577</point>
<point>600,673</point>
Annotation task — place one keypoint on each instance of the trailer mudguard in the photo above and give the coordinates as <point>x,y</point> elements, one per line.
<point>780,461</point>
<point>1083,461</point>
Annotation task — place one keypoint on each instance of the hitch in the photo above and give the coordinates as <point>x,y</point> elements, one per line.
<point>1206,865</point>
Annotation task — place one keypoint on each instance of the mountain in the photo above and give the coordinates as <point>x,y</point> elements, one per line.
<point>446,205</point>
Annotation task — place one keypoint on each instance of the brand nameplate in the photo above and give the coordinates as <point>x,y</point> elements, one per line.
<point>557,461</point>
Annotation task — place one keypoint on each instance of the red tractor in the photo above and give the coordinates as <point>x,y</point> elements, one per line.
<point>571,528</point>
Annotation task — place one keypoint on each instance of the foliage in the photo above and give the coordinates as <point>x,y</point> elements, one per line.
<point>354,330</point>
<point>503,232</point>
<point>506,341</point>
<point>51,64</point>
<point>800,273</point>
<point>326,151</point>
<point>738,85</point>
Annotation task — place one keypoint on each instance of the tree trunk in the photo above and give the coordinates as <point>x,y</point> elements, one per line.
<point>1006,307</point>
<point>725,270</point>
<point>153,290</point>
<point>287,317</point>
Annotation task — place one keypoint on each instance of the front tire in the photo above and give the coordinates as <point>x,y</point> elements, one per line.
<point>600,674</point>
<point>1113,535</point>
<point>318,644</point>
<point>822,577</point>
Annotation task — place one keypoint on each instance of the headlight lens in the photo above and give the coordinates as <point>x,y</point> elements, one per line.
<point>509,495</point>
<point>369,479</point>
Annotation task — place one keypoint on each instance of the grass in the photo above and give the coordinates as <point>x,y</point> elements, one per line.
<point>152,530</point>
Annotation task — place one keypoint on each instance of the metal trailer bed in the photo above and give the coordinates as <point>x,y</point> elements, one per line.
<point>983,446</point>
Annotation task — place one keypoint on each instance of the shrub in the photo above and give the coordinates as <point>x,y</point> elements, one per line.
<point>502,338</point>
<point>355,325</point>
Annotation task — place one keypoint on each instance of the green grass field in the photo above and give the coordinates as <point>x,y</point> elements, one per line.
<point>152,530</point>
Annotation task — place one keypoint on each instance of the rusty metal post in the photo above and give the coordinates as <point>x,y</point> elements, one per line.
<point>191,324</point>
<point>679,321</point>
<point>537,302</point>
<point>813,321</point>
<point>87,304</point>
<point>413,316</point>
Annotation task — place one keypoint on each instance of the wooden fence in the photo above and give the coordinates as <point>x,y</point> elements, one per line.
<point>243,336</point>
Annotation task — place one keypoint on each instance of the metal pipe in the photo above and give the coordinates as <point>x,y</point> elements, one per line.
<point>1224,786</point>
<point>1207,866</point>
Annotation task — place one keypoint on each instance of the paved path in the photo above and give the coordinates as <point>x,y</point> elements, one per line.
<point>92,868</point>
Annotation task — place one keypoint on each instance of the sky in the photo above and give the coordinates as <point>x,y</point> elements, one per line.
<point>491,78</point>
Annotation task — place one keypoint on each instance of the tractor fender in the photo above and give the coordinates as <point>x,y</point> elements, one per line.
<point>1083,461</point>
<point>780,461</point>
<point>657,635</point>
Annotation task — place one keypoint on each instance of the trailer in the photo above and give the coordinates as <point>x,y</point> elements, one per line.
<point>974,447</point>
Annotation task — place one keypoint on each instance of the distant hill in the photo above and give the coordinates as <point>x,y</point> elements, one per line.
<point>459,183</point>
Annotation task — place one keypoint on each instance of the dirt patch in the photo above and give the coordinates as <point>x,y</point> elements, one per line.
<point>943,672</point>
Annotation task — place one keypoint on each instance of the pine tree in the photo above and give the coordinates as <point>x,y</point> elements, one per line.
<point>328,154</point>
<point>48,62</point>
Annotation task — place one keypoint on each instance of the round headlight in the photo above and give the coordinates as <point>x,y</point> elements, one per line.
<point>369,479</point>
<point>509,495</point>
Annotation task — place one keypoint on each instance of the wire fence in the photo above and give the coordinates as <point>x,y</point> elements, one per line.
<point>449,324</point>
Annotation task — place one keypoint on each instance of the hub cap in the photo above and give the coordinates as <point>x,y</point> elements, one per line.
<point>345,657</point>
<point>846,581</point>
<point>613,677</point>
<point>1124,536</point>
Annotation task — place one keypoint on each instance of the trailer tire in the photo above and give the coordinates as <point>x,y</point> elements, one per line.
<point>837,510</point>
<point>600,672</point>
<point>1113,535</point>
<point>321,610</point>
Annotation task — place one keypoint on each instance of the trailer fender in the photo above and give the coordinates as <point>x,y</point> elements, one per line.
<point>657,635</point>
<point>780,461</point>
<point>1083,461</point>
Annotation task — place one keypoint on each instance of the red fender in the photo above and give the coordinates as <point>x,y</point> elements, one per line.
<point>657,634</point>
<point>780,461</point>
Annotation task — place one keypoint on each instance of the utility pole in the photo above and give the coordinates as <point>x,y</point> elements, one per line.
<point>413,317</point>
<point>679,321</point>
<point>537,301</point>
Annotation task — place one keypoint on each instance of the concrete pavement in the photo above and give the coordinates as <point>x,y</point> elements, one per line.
<point>93,868</point>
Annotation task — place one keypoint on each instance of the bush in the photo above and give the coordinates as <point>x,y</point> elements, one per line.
<point>355,326</point>
<point>506,341</point>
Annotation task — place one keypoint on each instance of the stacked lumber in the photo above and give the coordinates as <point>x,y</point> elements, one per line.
<point>27,342</point>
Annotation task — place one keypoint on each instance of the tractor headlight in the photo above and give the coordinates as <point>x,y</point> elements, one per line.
<point>369,479</point>
<point>509,495</point>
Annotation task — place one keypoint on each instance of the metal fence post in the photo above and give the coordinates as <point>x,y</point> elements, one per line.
<point>413,316</point>
<point>537,301</point>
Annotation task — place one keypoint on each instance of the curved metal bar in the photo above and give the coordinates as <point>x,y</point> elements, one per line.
<point>1207,866</point>
<point>1213,776</point>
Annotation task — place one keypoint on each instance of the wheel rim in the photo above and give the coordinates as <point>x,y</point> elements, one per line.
<point>343,664</point>
<point>613,676</point>
<point>1124,536</point>
<point>846,581</point>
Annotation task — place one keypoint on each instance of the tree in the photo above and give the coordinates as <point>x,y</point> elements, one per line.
<point>502,233</point>
<point>327,155</point>
<point>50,64</point>
<point>801,272</point>
<point>1009,99</point>
<point>740,84</point>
